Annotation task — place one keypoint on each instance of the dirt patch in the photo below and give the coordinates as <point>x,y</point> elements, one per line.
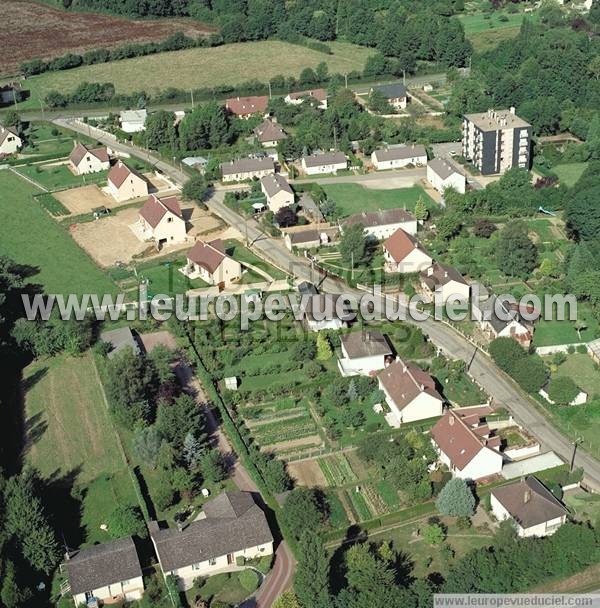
<point>82,200</point>
<point>307,473</point>
<point>158,338</point>
<point>51,32</point>
<point>309,441</point>
<point>159,185</point>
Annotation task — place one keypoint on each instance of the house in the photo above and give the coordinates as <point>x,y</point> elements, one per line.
<point>119,340</point>
<point>363,352</point>
<point>84,160</point>
<point>196,162</point>
<point>320,313</point>
<point>399,156</point>
<point>403,253</point>
<point>247,168</point>
<point>109,572</point>
<point>209,262</point>
<point>269,133</point>
<point>410,393</point>
<point>495,141</point>
<point>277,191</point>
<point>326,162</point>
<point>534,510</point>
<point>593,349</point>
<point>446,282</point>
<point>395,93</point>
<point>317,95</point>
<point>161,220</point>
<point>11,93</point>
<point>125,183</point>
<point>442,174</point>
<point>304,239</point>
<point>10,140</point>
<point>133,121</point>
<point>498,319</point>
<point>231,525</point>
<point>245,107</point>
<point>383,223</point>
<point>466,445</point>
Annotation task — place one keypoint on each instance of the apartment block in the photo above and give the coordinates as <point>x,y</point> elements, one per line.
<point>496,140</point>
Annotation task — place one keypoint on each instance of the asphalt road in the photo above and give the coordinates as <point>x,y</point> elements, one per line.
<point>501,388</point>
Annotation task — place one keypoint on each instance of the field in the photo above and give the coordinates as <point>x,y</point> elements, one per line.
<point>51,32</point>
<point>62,266</point>
<point>58,177</point>
<point>548,333</point>
<point>583,371</point>
<point>569,173</point>
<point>204,67</point>
<point>353,198</point>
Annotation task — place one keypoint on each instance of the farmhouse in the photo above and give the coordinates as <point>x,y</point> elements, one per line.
<point>399,156</point>
<point>364,352</point>
<point>247,168</point>
<point>320,313</point>
<point>326,162</point>
<point>11,93</point>
<point>125,183</point>
<point>209,262</point>
<point>395,94</point>
<point>231,525</point>
<point>277,191</point>
<point>133,121</point>
<point>10,140</point>
<point>466,446</point>
<point>442,174</point>
<point>110,573</point>
<point>304,239</point>
<point>444,281</point>
<point>530,504</point>
<point>317,95</point>
<point>245,107</point>
<point>410,393</point>
<point>161,220</point>
<point>269,133</point>
<point>85,160</point>
<point>403,253</point>
<point>498,319</point>
<point>383,223</point>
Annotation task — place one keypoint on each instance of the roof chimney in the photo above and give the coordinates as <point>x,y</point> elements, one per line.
<point>512,109</point>
<point>430,271</point>
<point>451,420</point>
<point>527,496</point>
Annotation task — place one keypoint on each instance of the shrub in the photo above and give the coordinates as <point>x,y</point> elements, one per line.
<point>456,499</point>
<point>249,580</point>
<point>434,534</point>
<point>240,560</point>
<point>562,390</point>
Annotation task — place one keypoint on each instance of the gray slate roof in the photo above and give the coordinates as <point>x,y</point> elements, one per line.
<point>327,158</point>
<point>442,167</point>
<point>233,522</point>
<point>275,183</point>
<point>304,236</point>
<point>120,339</point>
<point>392,91</point>
<point>103,565</point>
<point>383,217</point>
<point>367,343</point>
<point>529,502</point>
<point>400,152</point>
<point>247,165</point>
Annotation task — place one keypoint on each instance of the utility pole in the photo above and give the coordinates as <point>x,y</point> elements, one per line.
<point>346,79</point>
<point>270,91</point>
<point>575,444</point>
<point>352,265</point>
<point>192,94</point>
<point>404,77</point>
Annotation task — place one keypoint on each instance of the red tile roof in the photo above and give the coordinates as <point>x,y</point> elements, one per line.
<point>459,441</point>
<point>154,209</point>
<point>80,151</point>
<point>119,173</point>
<point>318,94</point>
<point>404,382</point>
<point>244,106</point>
<point>400,244</point>
<point>208,255</point>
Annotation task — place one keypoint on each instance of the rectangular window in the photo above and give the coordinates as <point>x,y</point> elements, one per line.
<point>195,566</point>
<point>212,562</point>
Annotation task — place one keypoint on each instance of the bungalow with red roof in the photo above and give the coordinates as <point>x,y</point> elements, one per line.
<point>161,220</point>
<point>125,183</point>
<point>410,393</point>
<point>318,95</point>
<point>465,444</point>
<point>10,140</point>
<point>209,262</point>
<point>245,107</point>
<point>403,253</point>
<point>84,160</point>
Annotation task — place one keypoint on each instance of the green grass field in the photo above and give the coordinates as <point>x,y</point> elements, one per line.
<point>548,333</point>
<point>486,33</point>
<point>354,198</point>
<point>59,177</point>
<point>202,67</point>
<point>583,371</point>
<point>243,255</point>
<point>569,173</point>
<point>30,236</point>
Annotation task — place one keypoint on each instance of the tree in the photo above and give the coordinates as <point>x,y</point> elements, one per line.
<point>378,103</point>
<point>205,127</point>
<point>448,226</point>
<point>304,509</point>
<point>11,593</point>
<point>324,351</point>
<point>506,353</point>
<point>287,600</point>
<point>421,211</point>
<point>213,466</point>
<point>456,499</point>
<point>146,443</point>
<point>582,215</point>
<point>312,575</point>
<point>531,374</point>
<point>562,390</point>
<point>12,119</point>
<point>126,520</point>
<point>484,228</point>
<point>160,130</point>
<point>175,420</point>
<point>353,244</point>
<point>434,534</point>
<point>192,450</point>
<point>195,189</point>
<point>516,254</point>
<point>286,217</point>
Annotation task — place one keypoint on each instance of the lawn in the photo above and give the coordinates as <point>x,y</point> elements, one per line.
<point>59,177</point>
<point>354,198</point>
<point>586,507</point>
<point>30,236</point>
<point>496,20</point>
<point>242,254</point>
<point>203,67</point>
<point>549,333</point>
<point>164,278</point>
<point>224,588</point>
<point>583,371</point>
<point>41,140</point>
<point>569,173</point>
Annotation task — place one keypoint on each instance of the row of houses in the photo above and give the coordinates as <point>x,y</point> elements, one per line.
<point>246,107</point>
<point>230,526</point>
